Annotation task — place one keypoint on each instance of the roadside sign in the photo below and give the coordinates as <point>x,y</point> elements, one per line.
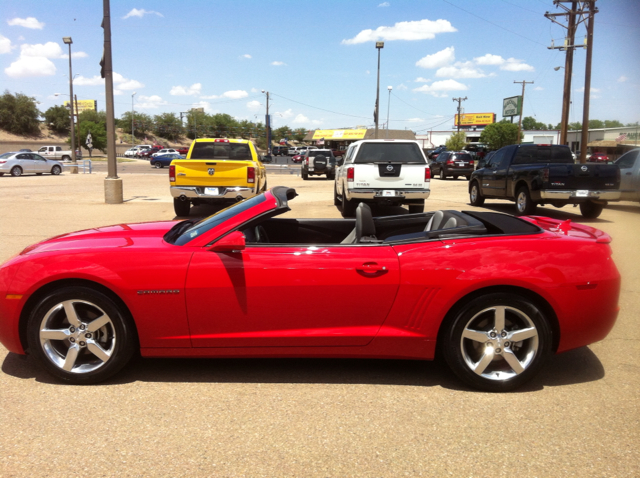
<point>512,106</point>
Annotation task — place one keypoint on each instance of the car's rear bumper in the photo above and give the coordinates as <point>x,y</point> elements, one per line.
<point>388,194</point>
<point>610,195</point>
<point>198,192</point>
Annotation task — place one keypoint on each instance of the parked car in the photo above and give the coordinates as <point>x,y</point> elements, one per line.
<point>452,163</point>
<point>297,158</point>
<point>434,154</point>
<point>56,152</point>
<point>397,287</point>
<point>598,158</point>
<point>293,150</point>
<point>164,151</point>
<point>163,160</point>
<point>136,150</point>
<point>318,162</point>
<point>280,150</point>
<point>147,153</point>
<point>19,163</point>
<point>183,150</point>
<point>629,164</point>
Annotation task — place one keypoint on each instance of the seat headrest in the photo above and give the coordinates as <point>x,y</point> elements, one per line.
<point>435,221</point>
<point>364,221</point>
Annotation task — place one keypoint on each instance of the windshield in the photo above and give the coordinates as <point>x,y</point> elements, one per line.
<point>210,150</point>
<point>6,155</point>
<point>389,153</point>
<point>186,231</point>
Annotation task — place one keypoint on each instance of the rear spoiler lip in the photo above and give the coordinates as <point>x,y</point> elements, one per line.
<point>563,227</point>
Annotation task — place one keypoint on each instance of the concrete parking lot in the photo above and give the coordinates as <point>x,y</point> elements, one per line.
<point>579,417</point>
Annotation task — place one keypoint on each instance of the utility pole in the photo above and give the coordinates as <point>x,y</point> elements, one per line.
<point>521,109</point>
<point>459,100</point>
<point>267,126</point>
<point>379,46</point>
<point>587,83</point>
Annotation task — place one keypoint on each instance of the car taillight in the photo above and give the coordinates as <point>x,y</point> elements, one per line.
<point>427,173</point>
<point>450,161</point>
<point>172,174</point>
<point>306,162</point>
<point>350,174</point>
<point>545,175</point>
<point>251,175</point>
<point>2,162</point>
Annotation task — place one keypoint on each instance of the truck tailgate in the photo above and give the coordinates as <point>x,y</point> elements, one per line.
<point>207,172</point>
<point>390,176</point>
<point>584,176</point>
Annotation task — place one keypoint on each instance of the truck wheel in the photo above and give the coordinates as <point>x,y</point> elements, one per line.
<point>264,188</point>
<point>331,176</point>
<point>442,175</point>
<point>455,177</point>
<point>56,170</point>
<point>475,198</point>
<point>66,158</point>
<point>416,208</point>
<point>181,207</point>
<point>524,205</point>
<point>16,171</point>
<point>336,200</point>
<point>348,206</point>
<point>468,176</point>
<point>305,176</point>
<point>590,209</point>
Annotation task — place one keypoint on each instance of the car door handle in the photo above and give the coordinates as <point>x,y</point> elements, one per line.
<point>371,268</point>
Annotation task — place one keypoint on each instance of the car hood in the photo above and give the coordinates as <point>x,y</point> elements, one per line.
<point>147,234</point>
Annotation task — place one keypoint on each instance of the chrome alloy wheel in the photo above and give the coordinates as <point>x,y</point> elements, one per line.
<point>521,202</point>
<point>474,194</point>
<point>77,336</point>
<point>499,342</point>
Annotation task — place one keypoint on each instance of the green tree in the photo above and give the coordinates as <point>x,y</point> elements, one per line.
<point>57,119</point>
<point>168,125</point>
<point>95,116</point>
<point>98,134</point>
<point>456,141</point>
<point>501,134</point>
<point>530,123</point>
<point>142,123</point>
<point>612,124</point>
<point>19,114</point>
<point>596,124</point>
<point>575,126</point>
<point>299,134</point>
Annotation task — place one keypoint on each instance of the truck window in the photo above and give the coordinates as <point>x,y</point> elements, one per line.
<point>627,160</point>
<point>389,153</point>
<point>221,151</point>
<point>58,148</point>
<point>543,154</point>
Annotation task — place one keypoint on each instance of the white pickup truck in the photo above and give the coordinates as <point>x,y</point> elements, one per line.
<point>382,171</point>
<point>56,152</point>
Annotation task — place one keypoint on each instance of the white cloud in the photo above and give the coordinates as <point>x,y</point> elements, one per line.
<point>26,66</point>
<point>82,81</point>
<point>192,90</point>
<point>141,13</point>
<point>254,105</point>
<point>48,50</point>
<point>384,4</point>
<point>29,22</point>
<point>302,119</point>
<point>622,79</point>
<point>75,54</point>
<point>422,80</point>
<point>593,94</point>
<point>123,83</point>
<point>460,70</point>
<point>234,95</point>
<point>489,59</point>
<point>278,63</point>
<point>538,88</point>
<point>254,90</point>
<point>149,102</point>
<point>511,64</point>
<point>416,120</point>
<point>417,30</point>
<point>401,87</point>
<point>439,59</point>
<point>285,114</point>
<point>439,88</point>
<point>5,45</point>
<point>247,56</point>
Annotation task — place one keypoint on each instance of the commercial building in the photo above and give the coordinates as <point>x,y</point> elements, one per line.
<point>340,139</point>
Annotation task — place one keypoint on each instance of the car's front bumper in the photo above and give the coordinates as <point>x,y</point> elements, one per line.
<point>608,195</point>
<point>198,192</point>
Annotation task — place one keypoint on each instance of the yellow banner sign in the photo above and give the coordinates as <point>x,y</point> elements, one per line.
<point>339,134</point>
<point>475,119</point>
<point>83,105</point>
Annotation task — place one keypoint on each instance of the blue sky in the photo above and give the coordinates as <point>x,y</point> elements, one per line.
<point>318,58</point>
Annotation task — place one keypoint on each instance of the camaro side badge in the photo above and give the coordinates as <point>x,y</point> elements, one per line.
<point>211,171</point>
<point>170,291</point>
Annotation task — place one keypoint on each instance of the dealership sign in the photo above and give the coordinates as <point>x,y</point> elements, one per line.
<point>475,119</point>
<point>83,105</point>
<point>512,106</point>
<point>339,134</point>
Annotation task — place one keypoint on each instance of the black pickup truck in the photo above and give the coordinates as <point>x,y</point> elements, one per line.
<point>534,175</point>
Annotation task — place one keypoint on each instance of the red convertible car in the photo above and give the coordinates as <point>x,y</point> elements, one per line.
<point>495,294</point>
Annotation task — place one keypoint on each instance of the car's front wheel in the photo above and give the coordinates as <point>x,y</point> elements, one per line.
<point>80,335</point>
<point>56,170</point>
<point>158,165</point>
<point>181,207</point>
<point>475,198</point>
<point>16,171</point>
<point>442,175</point>
<point>524,205</point>
<point>497,342</point>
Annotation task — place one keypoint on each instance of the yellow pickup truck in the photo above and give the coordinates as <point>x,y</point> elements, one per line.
<point>216,171</point>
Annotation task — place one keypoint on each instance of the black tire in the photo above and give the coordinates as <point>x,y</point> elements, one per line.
<point>264,188</point>
<point>590,209</point>
<point>16,171</point>
<point>455,177</point>
<point>38,174</point>
<point>181,207</point>
<point>442,175</point>
<point>157,165</point>
<point>336,200</point>
<point>1,174</point>
<point>481,346</point>
<point>524,205</point>
<point>305,176</point>
<point>86,347</point>
<point>416,208</point>
<point>56,170</point>
<point>331,177</point>
<point>348,206</point>
<point>475,197</point>
<point>468,176</point>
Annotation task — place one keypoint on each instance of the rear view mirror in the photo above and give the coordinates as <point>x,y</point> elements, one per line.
<point>234,242</point>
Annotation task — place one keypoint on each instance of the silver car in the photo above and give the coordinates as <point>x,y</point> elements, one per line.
<point>629,164</point>
<point>18,163</point>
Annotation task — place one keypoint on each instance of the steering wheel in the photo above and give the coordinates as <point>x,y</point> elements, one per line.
<point>261,235</point>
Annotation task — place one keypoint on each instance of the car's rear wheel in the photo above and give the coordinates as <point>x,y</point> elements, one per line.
<point>56,170</point>
<point>497,342</point>
<point>158,165</point>
<point>181,207</point>
<point>455,176</point>
<point>416,208</point>
<point>524,205</point>
<point>590,209</point>
<point>336,200</point>
<point>348,206</point>
<point>80,335</point>
<point>305,176</point>
<point>475,198</point>
<point>442,175</point>
<point>16,171</point>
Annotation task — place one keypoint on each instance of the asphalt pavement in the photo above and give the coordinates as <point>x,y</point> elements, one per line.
<point>304,417</point>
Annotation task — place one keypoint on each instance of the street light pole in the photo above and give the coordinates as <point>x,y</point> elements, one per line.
<point>74,170</point>
<point>379,46</point>
<point>388,106</point>
<point>132,113</point>
<point>267,126</point>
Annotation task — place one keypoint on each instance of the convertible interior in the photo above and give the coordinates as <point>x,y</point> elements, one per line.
<point>366,229</point>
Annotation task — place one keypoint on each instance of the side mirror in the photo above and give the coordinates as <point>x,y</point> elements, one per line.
<point>480,164</point>
<point>340,161</point>
<point>234,242</point>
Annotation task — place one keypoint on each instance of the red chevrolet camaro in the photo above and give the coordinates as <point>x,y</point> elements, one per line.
<point>495,293</point>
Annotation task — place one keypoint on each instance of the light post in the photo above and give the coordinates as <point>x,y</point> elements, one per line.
<point>379,46</point>
<point>267,126</point>
<point>388,106</point>
<point>74,170</point>
<point>132,113</point>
